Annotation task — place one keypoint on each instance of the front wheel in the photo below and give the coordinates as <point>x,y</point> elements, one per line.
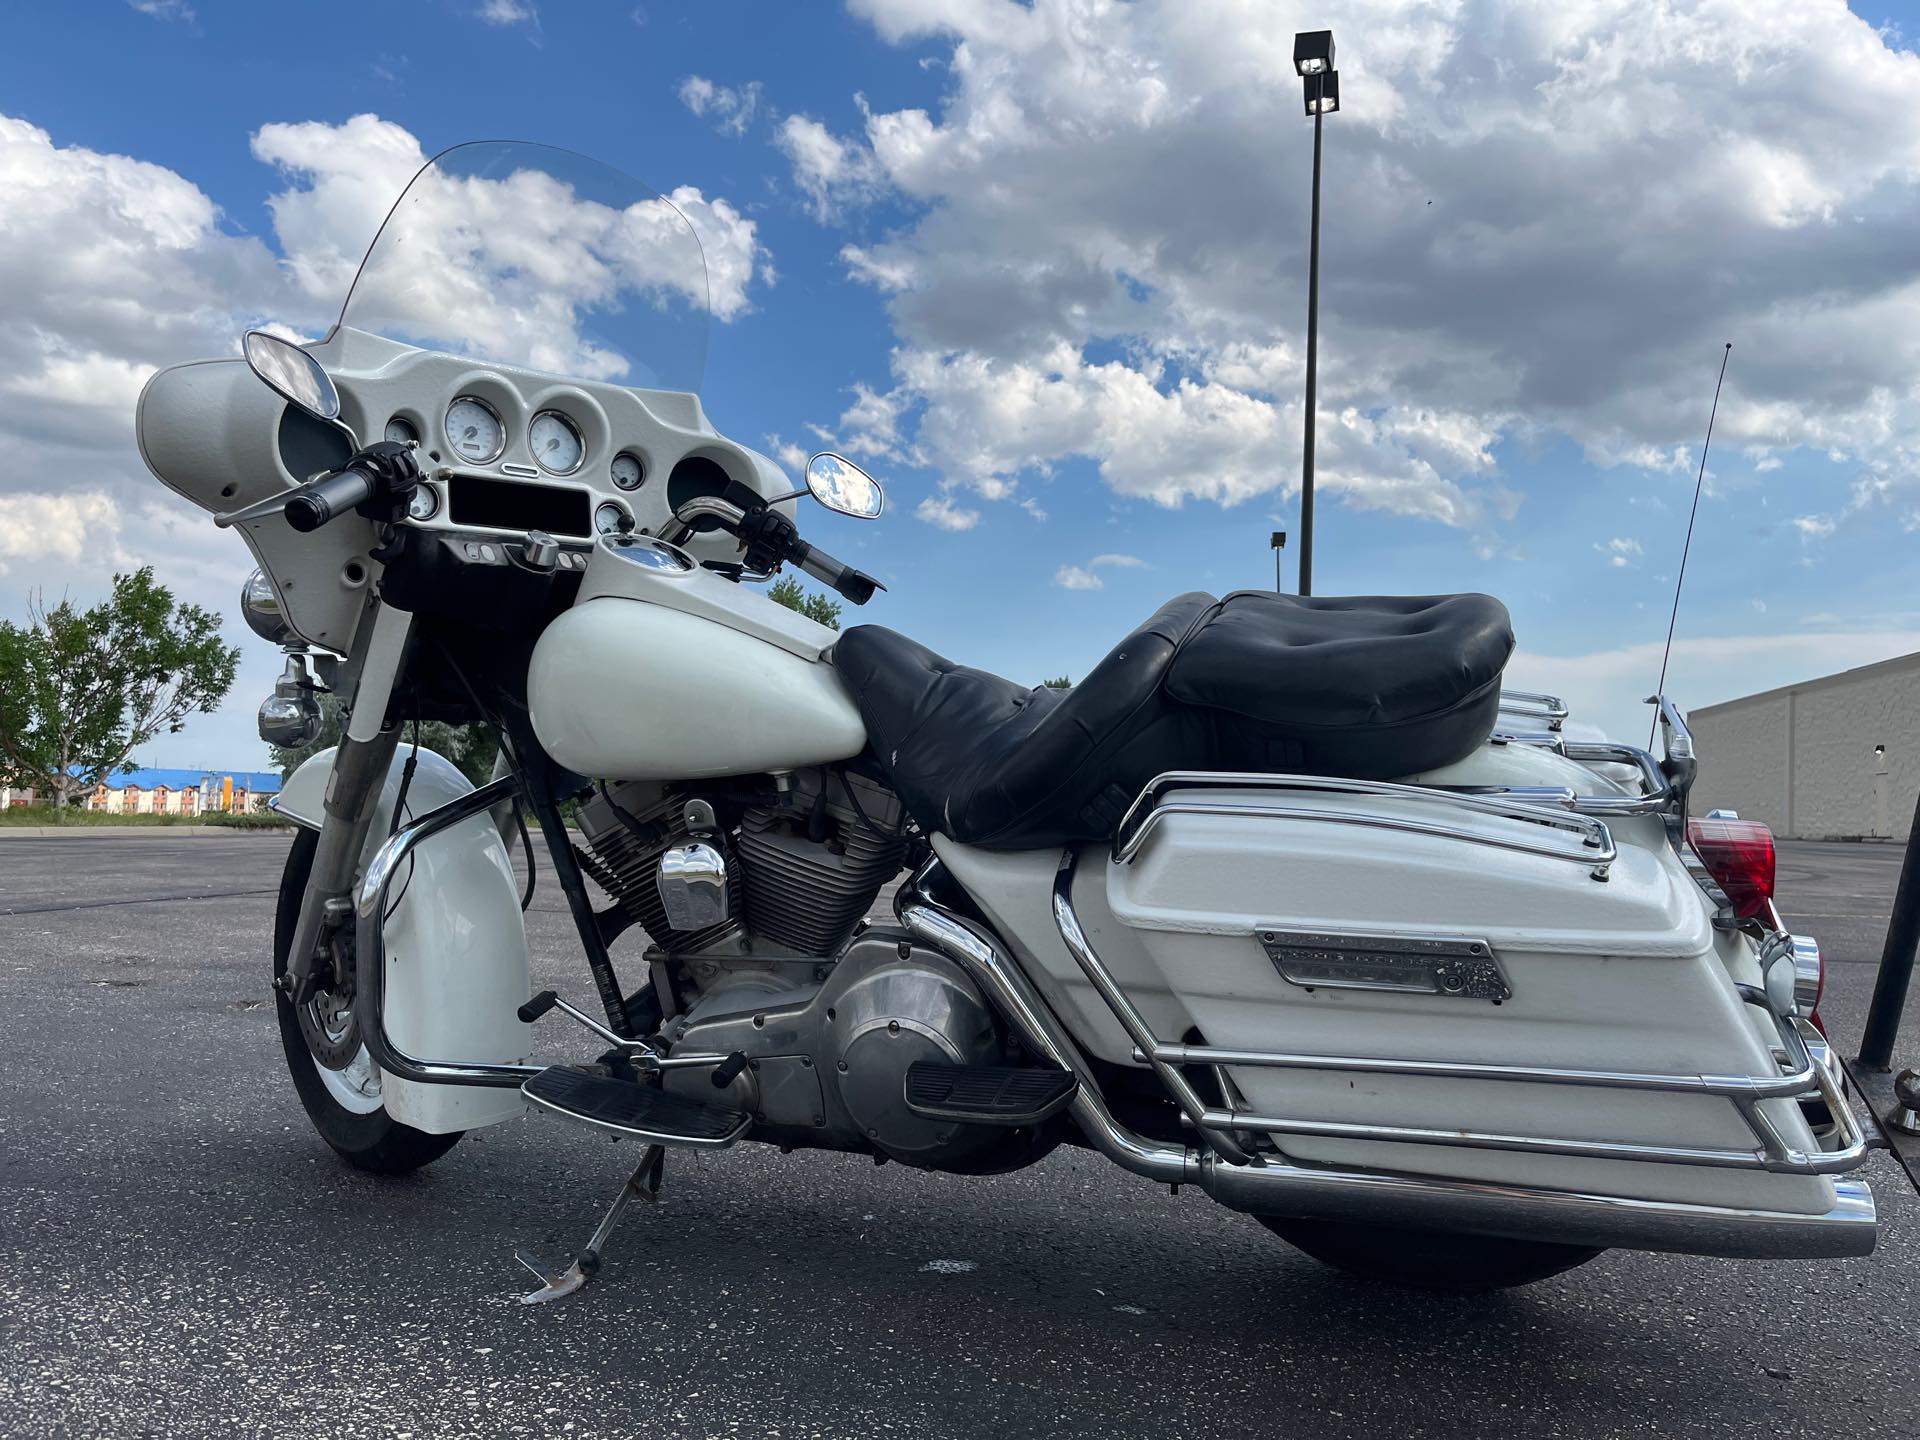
<point>1427,1259</point>
<point>344,1104</point>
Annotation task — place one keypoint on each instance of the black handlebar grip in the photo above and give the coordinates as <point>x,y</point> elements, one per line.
<point>327,498</point>
<point>851,583</point>
<point>728,1070</point>
<point>538,1006</point>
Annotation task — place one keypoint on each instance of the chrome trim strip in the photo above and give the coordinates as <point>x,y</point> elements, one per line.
<point>1742,1087</point>
<point>1428,1202</point>
<point>370,962</point>
<point>1596,849</point>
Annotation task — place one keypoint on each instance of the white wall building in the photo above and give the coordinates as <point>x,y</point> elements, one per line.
<point>1833,758</point>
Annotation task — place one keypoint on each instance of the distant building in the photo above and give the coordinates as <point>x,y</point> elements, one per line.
<point>170,792</point>
<point>1833,758</point>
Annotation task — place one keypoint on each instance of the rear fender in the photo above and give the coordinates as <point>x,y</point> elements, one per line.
<point>456,943</point>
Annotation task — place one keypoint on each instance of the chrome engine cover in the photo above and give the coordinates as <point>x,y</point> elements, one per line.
<point>829,1060</point>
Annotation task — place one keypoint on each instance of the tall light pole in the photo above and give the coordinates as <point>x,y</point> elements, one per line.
<point>1313,59</point>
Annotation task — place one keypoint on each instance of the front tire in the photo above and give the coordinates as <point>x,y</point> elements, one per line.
<point>344,1106</point>
<point>1427,1259</point>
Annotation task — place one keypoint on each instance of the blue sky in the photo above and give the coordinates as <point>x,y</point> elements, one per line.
<point>1041,270</point>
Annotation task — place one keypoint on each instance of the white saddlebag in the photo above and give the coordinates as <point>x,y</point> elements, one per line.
<point>1378,928</point>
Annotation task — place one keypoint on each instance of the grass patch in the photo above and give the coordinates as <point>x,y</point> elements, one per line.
<point>46,815</point>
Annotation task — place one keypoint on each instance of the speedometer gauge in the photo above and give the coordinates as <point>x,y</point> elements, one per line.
<point>474,431</point>
<point>611,519</point>
<point>556,443</point>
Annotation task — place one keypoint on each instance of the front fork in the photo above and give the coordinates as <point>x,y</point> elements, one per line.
<point>360,767</point>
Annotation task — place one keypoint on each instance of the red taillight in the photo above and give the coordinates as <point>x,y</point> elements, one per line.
<point>1739,856</point>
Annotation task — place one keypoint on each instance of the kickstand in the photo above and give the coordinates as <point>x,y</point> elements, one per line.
<point>556,1282</point>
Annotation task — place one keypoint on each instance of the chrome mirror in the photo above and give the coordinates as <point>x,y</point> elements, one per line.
<point>839,484</point>
<point>293,374</point>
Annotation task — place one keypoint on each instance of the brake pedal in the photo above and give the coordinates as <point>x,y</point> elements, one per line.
<point>988,1094</point>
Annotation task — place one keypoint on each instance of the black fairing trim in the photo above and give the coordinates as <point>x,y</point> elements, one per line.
<point>1368,686</point>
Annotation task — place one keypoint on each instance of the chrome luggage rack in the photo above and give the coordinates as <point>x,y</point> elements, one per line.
<point>1576,836</point>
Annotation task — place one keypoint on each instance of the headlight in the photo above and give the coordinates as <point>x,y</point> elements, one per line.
<point>261,606</point>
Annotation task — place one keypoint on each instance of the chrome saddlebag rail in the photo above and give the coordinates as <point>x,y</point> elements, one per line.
<point>1271,1185</point>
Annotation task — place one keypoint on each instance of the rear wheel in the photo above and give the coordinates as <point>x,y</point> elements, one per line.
<point>344,1103</point>
<point>1427,1259</point>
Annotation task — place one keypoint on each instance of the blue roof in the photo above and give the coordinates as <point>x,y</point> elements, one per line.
<point>257,782</point>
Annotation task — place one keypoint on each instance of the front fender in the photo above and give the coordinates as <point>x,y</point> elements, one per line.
<point>455,939</point>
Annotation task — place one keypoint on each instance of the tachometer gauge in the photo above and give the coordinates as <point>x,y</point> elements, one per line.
<point>627,472</point>
<point>400,430</point>
<point>611,519</point>
<point>556,443</point>
<point>474,431</point>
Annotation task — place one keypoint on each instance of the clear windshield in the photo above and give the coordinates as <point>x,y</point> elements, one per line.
<point>526,255</point>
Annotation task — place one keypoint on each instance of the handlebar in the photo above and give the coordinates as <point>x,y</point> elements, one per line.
<point>319,501</point>
<point>770,529</point>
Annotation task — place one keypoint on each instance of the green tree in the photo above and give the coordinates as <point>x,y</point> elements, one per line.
<point>789,592</point>
<point>471,747</point>
<point>79,689</point>
<point>1059,682</point>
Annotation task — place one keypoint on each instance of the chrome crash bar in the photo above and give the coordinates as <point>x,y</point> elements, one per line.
<point>1582,839</point>
<point>370,955</point>
<point>1270,1184</point>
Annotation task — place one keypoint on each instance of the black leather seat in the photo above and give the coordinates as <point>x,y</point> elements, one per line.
<point>1364,686</point>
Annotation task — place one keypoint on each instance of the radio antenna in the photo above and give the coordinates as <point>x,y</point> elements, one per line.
<point>1699,483</point>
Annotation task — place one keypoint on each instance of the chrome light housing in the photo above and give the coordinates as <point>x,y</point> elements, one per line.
<point>290,716</point>
<point>260,604</point>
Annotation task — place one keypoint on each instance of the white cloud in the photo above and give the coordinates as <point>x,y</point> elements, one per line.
<point>793,456</point>
<point>730,108</point>
<point>508,12</point>
<point>940,510</point>
<point>836,175</point>
<point>1099,193</point>
<point>1087,577</point>
<point>1815,527</point>
<point>1620,551</point>
<point>165,9</point>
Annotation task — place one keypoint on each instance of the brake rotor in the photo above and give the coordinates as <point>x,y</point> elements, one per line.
<point>328,1021</point>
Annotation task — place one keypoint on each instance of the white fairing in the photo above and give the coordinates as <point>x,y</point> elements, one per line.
<point>1620,975</point>
<point>679,674</point>
<point>456,945</point>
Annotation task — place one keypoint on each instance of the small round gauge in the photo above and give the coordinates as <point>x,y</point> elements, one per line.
<point>627,471</point>
<point>474,431</point>
<point>425,503</point>
<point>400,430</point>
<point>556,443</point>
<point>611,519</point>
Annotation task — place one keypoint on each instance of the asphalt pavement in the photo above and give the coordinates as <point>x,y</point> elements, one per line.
<point>180,1255</point>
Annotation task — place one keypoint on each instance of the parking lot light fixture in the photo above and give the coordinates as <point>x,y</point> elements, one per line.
<point>1313,51</point>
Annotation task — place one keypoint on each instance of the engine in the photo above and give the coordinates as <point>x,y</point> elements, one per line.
<point>830,1027</point>
<point>803,861</point>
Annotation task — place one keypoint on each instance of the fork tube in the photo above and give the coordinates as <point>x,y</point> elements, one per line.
<point>360,766</point>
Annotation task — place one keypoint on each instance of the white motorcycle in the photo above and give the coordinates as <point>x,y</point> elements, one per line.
<point>1286,900</point>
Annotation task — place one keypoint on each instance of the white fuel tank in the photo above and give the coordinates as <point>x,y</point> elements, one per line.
<point>664,671</point>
